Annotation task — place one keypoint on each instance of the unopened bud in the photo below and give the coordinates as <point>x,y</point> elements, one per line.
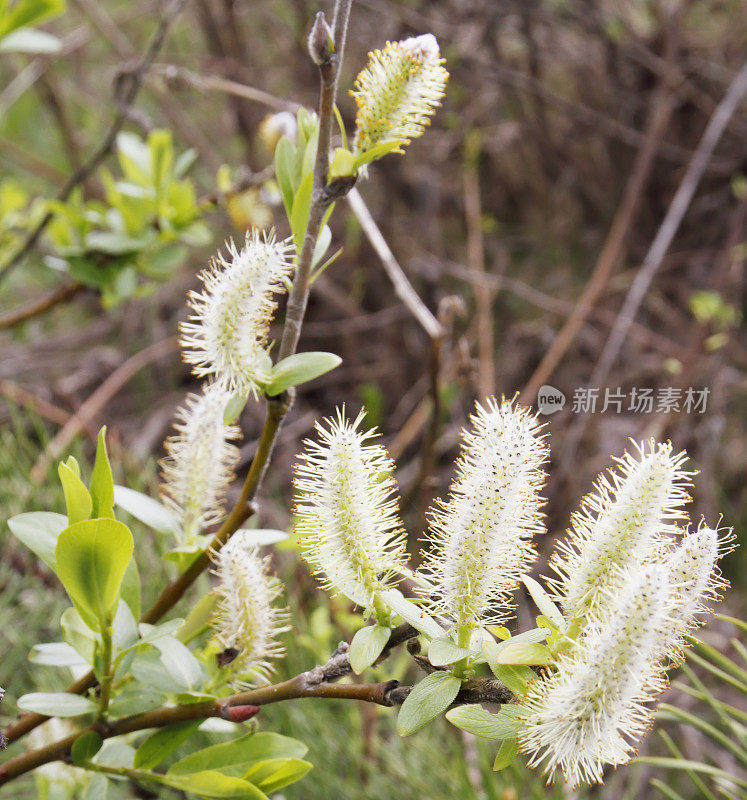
<point>321,44</point>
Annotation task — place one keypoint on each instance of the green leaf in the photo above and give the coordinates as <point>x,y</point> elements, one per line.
<point>134,157</point>
<point>274,774</point>
<point>92,557</point>
<point>443,651</point>
<point>179,662</point>
<point>516,678</point>
<point>342,165</point>
<point>78,635</point>
<point>28,12</point>
<point>56,704</point>
<point>532,653</point>
<point>366,646</point>
<point>85,747</point>
<point>56,654</point>
<point>374,153</point>
<point>147,510</point>
<point>322,243</point>
<point>409,612</point>
<point>234,407</point>
<point>507,752</point>
<point>299,218</point>
<point>102,482</point>
<point>285,156</point>
<point>475,719</point>
<point>434,694</point>
<point>205,784</point>
<point>124,627</point>
<point>543,602</point>
<point>162,743</point>
<point>300,368</point>
<point>77,498</point>
<point>39,530</point>
<point>198,618</point>
<point>237,756</point>
<point>130,591</point>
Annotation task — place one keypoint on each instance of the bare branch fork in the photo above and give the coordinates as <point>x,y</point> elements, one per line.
<point>277,407</point>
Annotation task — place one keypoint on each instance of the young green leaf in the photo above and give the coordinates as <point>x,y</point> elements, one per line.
<point>179,662</point>
<point>366,646</point>
<point>299,218</point>
<point>234,407</point>
<point>102,482</point>
<point>507,752</point>
<point>285,156</point>
<point>434,694</point>
<point>443,651</point>
<point>147,510</point>
<point>162,743</point>
<point>77,498</point>
<point>39,530</point>
<point>130,591</point>
<point>56,654</point>
<point>78,635</point>
<point>198,618</point>
<point>85,747</point>
<point>92,557</point>
<point>300,368</point>
<point>237,756</point>
<point>477,720</point>
<point>272,775</point>
<point>342,164</point>
<point>409,612</point>
<point>56,704</point>
<point>532,653</point>
<point>543,602</point>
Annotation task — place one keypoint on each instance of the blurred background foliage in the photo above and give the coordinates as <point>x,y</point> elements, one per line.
<point>567,128</point>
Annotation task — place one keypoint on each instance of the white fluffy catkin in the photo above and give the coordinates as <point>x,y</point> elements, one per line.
<point>199,461</point>
<point>596,705</point>
<point>628,520</point>
<point>346,510</point>
<point>226,336</point>
<point>482,534</point>
<point>247,620</point>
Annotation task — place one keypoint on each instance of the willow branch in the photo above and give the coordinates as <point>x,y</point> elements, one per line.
<point>317,682</point>
<point>277,407</point>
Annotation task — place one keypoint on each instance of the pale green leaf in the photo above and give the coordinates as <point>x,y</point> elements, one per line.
<point>92,557</point>
<point>299,218</point>
<point>507,752</point>
<point>532,653</point>
<point>273,774</point>
<point>147,510</point>
<point>56,704</point>
<point>77,497</point>
<point>300,368</point>
<point>543,602</point>
<point>366,646</point>
<point>400,605</point>
<point>434,694</point>
<point>477,720</point>
<point>443,651</point>
<point>56,654</point>
<point>39,530</point>
<point>102,482</point>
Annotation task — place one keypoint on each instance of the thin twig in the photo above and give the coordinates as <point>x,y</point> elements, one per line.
<point>131,81</point>
<point>669,227</point>
<point>40,305</point>
<point>662,105</point>
<point>402,286</point>
<point>277,407</point>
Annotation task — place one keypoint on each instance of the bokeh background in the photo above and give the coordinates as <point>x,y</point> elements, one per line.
<point>521,219</point>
